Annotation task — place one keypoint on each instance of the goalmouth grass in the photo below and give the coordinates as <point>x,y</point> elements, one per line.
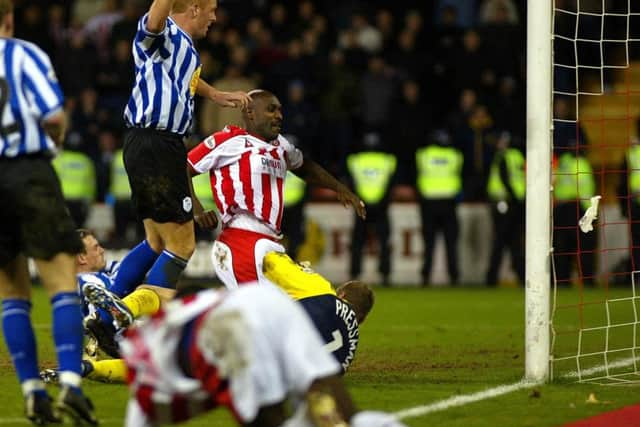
<point>418,347</point>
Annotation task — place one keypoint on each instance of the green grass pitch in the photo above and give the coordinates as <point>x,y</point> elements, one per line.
<point>416,348</point>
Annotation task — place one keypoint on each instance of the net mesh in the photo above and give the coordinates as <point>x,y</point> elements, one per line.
<point>596,106</point>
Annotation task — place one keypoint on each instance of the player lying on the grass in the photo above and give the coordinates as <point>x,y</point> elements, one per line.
<point>336,314</point>
<point>251,350</point>
<point>138,299</point>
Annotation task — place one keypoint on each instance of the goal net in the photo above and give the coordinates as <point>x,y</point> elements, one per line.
<point>595,331</point>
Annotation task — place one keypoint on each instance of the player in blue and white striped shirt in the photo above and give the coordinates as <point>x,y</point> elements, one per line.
<point>159,113</point>
<point>34,222</point>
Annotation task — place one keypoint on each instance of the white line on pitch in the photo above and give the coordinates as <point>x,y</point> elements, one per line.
<point>464,399</point>
<point>498,391</point>
<point>600,368</point>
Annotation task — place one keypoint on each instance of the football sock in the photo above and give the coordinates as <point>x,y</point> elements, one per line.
<point>68,336</point>
<point>20,340</point>
<point>111,370</point>
<point>142,302</point>
<point>166,270</point>
<point>133,268</point>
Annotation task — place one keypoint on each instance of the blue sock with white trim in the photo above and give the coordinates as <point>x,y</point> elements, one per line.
<point>166,270</point>
<point>68,335</point>
<point>21,340</point>
<point>133,268</point>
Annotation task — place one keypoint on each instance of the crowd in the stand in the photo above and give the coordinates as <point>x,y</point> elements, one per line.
<point>353,77</point>
<point>341,69</point>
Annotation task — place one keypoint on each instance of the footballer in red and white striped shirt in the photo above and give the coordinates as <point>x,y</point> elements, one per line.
<point>247,168</point>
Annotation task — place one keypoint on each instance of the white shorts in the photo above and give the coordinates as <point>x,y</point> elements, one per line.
<point>237,256</point>
<point>286,352</point>
<point>256,336</point>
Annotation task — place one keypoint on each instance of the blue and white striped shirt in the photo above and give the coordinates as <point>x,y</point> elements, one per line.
<point>29,94</point>
<point>167,73</point>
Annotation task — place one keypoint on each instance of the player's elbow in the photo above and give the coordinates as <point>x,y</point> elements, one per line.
<point>55,126</point>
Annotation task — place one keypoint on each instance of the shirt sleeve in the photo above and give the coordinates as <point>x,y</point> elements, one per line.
<point>146,40</point>
<point>295,159</point>
<point>202,158</point>
<point>40,83</point>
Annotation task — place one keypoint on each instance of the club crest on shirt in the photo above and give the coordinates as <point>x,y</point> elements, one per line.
<point>194,80</point>
<point>210,142</point>
<point>187,204</point>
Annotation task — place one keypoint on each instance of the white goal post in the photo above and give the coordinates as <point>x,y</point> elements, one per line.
<point>538,199</point>
<point>583,323</point>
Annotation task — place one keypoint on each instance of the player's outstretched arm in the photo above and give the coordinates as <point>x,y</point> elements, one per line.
<point>224,99</point>
<point>314,174</point>
<point>158,14</point>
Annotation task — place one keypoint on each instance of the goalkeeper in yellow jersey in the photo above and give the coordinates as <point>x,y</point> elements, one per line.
<point>336,314</point>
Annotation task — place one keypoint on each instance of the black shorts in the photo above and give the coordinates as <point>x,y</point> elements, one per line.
<point>34,219</point>
<point>156,163</point>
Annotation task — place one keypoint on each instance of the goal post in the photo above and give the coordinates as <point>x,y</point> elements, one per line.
<point>538,196</point>
<point>582,310</point>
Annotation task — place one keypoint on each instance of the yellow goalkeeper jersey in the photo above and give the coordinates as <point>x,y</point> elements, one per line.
<point>297,280</point>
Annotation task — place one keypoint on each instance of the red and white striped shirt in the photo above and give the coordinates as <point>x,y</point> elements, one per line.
<point>247,174</point>
<point>163,391</point>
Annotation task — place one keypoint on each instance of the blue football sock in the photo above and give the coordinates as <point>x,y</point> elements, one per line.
<point>68,332</point>
<point>166,270</point>
<point>133,268</point>
<point>19,337</point>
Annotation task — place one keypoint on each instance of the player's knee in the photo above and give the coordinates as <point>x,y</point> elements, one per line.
<point>183,248</point>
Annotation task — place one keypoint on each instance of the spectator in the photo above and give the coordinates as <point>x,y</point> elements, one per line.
<point>125,28</point>
<point>367,36</point>
<point>300,116</point>
<point>412,123</point>
<point>293,66</point>
<point>355,57</point>
<point>469,63</point>
<point>466,11</point>
<point>337,103</point>
<point>407,60</point>
<point>507,107</point>
<point>115,78</point>
<point>385,24</point>
<point>498,11</point>
<point>78,66</point>
<point>304,19</point>
<point>377,91</point>
<point>212,117</point>
<point>98,28</point>
<point>279,25</point>
<point>499,30</point>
